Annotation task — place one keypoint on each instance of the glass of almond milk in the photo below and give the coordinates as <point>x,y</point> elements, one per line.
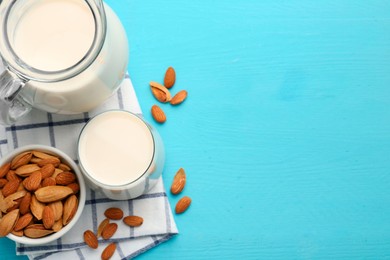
<point>60,56</point>
<point>120,154</point>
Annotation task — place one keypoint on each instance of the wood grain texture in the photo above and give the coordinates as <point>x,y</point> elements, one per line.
<point>285,135</point>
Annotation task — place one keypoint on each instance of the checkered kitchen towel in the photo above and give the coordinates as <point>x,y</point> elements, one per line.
<point>62,131</point>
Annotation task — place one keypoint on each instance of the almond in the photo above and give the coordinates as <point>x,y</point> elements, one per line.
<point>160,92</point>
<point>10,201</point>
<point>10,187</point>
<point>64,167</point>
<point>50,181</point>
<point>24,206</point>
<point>20,160</point>
<point>27,170</point>
<point>70,208</point>
<point>42,155</point>
<point>57,208</point>
<point>8,222</point>
<point>133,221</point>
<point>47,170</point>
<point>170,77</point>
<point>182,205</point>
<point>102,225</point>
<point>109,251</point>
<point>65,178</point>
<point>179,181</point>
<point>57,225</point>
<point>32,183</point>
<point>4,169</point>
<point>56,172</point>
<point>158,114</point>
<point>16,205</point>
<point>11,176</point>
<point>51,160</point>
<point>23,222</point>
<point>48,217</point>
<point>36,231</point>
<point>36,207</point>
<point>52,193</point>
<point>3,182</point>
<point>90,239</point>
<point>179,97</point>
<point>17,233</point>
<point>114,213</point>
<point>109,230</point>
<point>74,186</point>
<point>35,159</point>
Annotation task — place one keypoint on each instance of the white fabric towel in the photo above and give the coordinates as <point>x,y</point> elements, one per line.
<point>62,131</point>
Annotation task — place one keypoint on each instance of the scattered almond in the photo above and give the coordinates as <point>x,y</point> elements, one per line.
<point>102,225</point>
<point>158,114</point>
<point>179,97</point>
<point>90,239</point>
<point>109,251</point>
<point>179,181</point>
<point>133,221</point>
<point>182,205</point>
<point>114,213</point>
<point>170,77</point>
<point>160,92</point>
<point>109,230</point>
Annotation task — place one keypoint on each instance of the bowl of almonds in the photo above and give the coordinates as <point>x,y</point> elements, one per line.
<point>42,194</point>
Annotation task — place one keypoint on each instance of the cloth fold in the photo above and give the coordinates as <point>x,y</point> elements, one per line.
<point>62,131</point>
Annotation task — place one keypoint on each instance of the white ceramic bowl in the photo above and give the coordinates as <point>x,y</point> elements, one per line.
<point>81,194</point>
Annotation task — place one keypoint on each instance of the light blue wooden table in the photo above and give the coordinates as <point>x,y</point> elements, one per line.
<point>285,135</point>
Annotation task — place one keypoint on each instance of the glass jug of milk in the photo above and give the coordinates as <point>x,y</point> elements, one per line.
<point>59,56</point>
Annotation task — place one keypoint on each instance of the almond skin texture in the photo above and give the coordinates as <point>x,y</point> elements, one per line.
<point>109,230</point>
<point>24,206</point>
<point>179,97</point>
<point>170,77</point>
<point>160,92</point>
<point>182,205</point>
<point>8,222</point>
<point>48,217</point>
<point>65,178</point>
<point>47,171</point>
<point>4,169</point>
<point>114,213</point>
<point>3,182</point>
<point>158,114</point>
<point>179,181</point>
<point>52,193</point>
<point>90,239</point>
<point>10,187</point>
<point>20,160</point>
<point>50,181</point>
<point>11,176</point>
<point>102,226</point>
<point>109,251</point>
<point>32,183</point>
<point>133,221</point>
<point>70,208</point>
<point>23,222</point>
<point>75,187</point>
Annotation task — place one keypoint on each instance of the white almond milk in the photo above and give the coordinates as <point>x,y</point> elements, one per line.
<point>116,148</point>
<point>53,35</point>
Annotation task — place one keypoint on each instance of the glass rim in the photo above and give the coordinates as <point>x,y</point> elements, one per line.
<point>27,72</point>
<point>120,186</point>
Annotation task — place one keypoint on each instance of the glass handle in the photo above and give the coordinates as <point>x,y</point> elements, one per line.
<point>12,105</point>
